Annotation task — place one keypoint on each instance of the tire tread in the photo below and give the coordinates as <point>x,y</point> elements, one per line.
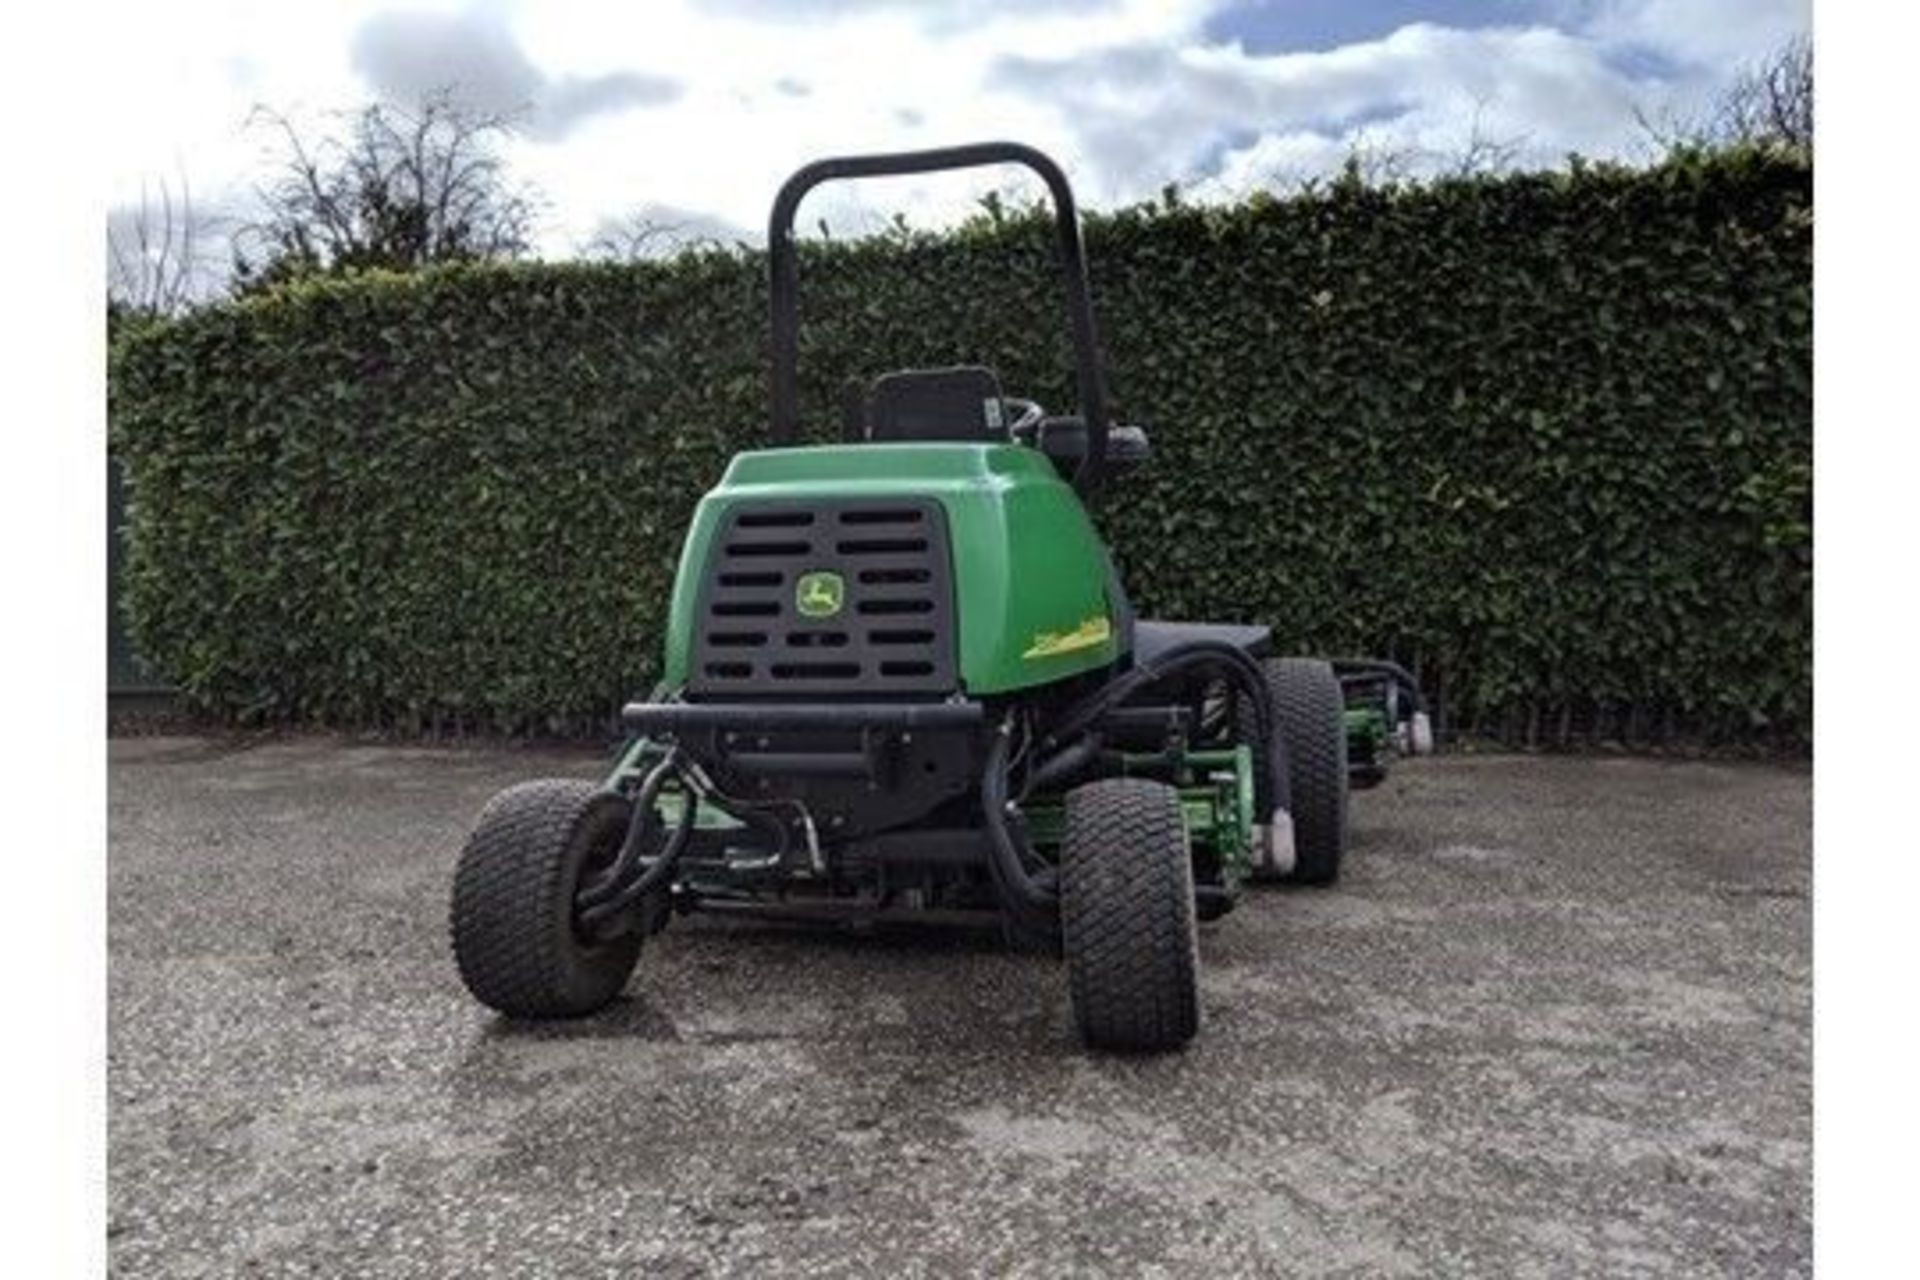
<point>1312,710</point>
<point>510,913</point>
<point>1127,916</point>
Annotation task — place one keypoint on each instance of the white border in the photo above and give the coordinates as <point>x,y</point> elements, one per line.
<point>1867,505</point>
<point>53,903</point>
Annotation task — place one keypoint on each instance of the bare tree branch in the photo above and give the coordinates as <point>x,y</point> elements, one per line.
<point>1373,162</point>
<point>1768,104</point>
<point>391,189</point>
<point>1773,102</point>
<point>634,238</point>
<point>1483,152</point>
<point>659,231</point>
<point>157,261</point>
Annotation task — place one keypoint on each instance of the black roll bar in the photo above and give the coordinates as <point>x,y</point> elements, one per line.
<point>783,267</point>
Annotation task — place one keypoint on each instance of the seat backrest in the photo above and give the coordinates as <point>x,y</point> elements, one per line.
<point>961,403</point>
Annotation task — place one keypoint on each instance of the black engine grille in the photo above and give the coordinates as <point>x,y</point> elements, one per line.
<point>892,634</point>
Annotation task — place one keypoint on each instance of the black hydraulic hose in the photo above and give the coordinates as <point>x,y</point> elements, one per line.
<point>1023,894</point>
<point>608,897</point>
<point>1072,743</point>
<point>608,883</point>
<point>1064,763</point>
<point>1194,653</point>
<point>1241,671</point>
<point>656,876</point>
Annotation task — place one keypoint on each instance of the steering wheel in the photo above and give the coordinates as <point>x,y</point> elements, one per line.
<point>1028,415</point>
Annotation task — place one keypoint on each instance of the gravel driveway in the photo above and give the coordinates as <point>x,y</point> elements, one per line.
<point>1555,1021</point>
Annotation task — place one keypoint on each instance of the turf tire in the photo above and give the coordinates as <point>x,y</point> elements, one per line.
<point>512,918</point>
<point>1127,916</point>
<point>1312,713</point>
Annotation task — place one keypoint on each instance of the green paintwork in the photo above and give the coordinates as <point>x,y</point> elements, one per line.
<point>1368,736</point>
<point>636,759</point>
<point>1029,570</point>
<point>1215,788</point>
<point>1216,802</point>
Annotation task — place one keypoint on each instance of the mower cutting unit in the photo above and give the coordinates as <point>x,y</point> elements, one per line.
<point>903,681</point>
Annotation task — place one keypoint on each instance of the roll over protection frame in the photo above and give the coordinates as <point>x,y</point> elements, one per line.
<point>783,269</point>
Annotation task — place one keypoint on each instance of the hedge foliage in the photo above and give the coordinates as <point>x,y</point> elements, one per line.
<point>1545,437</point>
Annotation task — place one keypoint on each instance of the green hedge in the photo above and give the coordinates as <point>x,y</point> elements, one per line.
<point>1545,437</point>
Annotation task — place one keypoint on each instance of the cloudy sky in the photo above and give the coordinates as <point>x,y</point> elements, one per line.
<point>691,111</point>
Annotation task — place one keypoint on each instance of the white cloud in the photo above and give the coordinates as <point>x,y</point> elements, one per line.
<point>1712,34</point>
<point>407,56</point>
<point>704,106</point>
<point>1227,119</point>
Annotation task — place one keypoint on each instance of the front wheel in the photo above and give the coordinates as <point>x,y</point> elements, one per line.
<point>1127,916</point>
<point>1313,734</point>
<point>515,938</point>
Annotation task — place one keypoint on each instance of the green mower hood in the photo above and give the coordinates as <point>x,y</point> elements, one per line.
<point>1028,573</point>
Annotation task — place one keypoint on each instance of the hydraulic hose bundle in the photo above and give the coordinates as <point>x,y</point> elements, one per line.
<point>1026,885</point>
<point>618,889</point>
<point>1023,880</point>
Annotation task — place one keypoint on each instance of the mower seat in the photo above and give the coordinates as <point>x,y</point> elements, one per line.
<point>1151,639</point>
<point>962,403</point>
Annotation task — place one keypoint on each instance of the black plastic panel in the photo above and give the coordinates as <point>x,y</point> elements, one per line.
<point>892,634</point>
<point>961,403</point>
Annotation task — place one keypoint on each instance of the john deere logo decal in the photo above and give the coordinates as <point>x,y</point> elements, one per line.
<point>1091,633</point>
<point>819,594</point>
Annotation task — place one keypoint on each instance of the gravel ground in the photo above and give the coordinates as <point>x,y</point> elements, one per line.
<point>1555,1021</point>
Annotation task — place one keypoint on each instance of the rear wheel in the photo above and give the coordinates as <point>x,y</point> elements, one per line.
<point>1127,916</point>
<point>515,938</point>
<point>1313,733</point>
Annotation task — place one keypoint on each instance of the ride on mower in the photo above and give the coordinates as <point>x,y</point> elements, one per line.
<point>903,681</point>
